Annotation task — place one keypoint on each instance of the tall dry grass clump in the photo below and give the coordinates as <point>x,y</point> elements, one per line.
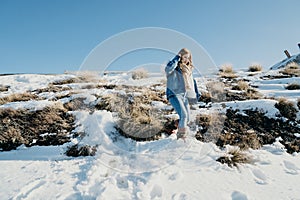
<point>255,68</point>
<point>140,74</point>
<point>19,97</point>
<point>291,69</point>
<point>234,157</point>
<point>137,118</point>
<point>241,85</point>
<point>211,126</point>
<point>226,71</point>
<point>216,91</point>
<point>286,108</point>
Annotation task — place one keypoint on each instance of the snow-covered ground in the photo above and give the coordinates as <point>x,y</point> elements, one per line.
<point>125,169</point>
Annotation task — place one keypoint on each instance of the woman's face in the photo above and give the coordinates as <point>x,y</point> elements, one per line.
<point>185,58</point>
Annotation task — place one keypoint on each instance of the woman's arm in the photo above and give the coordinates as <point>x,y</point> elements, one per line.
<point>172,65</point>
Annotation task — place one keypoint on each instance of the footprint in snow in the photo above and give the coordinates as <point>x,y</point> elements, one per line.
<point>290,168</point>
<point>259,177</point>
<point>179,197</point>
<point>122,182</point>
<point>30,188</point>
<point>156,192</point>
<point>236,195</point>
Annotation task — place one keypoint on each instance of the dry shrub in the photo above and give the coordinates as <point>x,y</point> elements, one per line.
<point>49,126</point>
<point>205,97</point>
<point>89,76</point>
<point>53,88</point>
<point>110,102</point>
<point>137,117</point>
<point>19,97</point>
<point>67,81</point>
<point>227,68</point>
<point>253,94</point>
<point>4,88</point>
<point>216,91</point>
<point>140,74</point>
<point>255,68</point>
<point>241,85</point>
<point>245,140</point>
<point>293,86</point>
<point>235,156</point>
<point>286,108</point>
<point>298,103</point>
<point>226,71</point>
<point>292,69</point>
<point>210,126</point>
<point>77,104</point>
<point>76,150</point>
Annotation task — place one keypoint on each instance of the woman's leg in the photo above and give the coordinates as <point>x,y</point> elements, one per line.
<point>179,105</point>
<point>187,109</point>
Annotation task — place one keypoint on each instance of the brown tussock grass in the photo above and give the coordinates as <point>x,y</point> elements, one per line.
<point>19,97</point>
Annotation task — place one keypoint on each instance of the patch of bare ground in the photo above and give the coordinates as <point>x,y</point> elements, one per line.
<point>49,126</point>
<point>253,129</point>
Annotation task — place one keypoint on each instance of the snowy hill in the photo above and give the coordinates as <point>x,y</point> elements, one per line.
<point>44,115</point>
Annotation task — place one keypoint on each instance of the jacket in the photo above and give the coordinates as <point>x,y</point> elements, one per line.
<point>175,81</point>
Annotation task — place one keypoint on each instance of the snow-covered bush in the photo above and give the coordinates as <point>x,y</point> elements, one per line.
<point>140,74</point>
<point>3,88</point>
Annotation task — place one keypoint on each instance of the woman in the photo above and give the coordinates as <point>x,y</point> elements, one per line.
<point>180,87</point>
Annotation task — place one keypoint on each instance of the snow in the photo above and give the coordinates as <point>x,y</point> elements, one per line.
<point>283,63</point>
<point>31,105</point>
<point>125,169</point>
<point>29,82</point>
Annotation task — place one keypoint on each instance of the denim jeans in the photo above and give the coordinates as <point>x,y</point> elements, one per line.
<point>181,105</point>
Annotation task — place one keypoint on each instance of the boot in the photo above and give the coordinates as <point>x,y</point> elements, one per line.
<point>181,133</point>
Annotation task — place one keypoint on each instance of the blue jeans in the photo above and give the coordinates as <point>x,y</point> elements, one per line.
<point>181,105</point>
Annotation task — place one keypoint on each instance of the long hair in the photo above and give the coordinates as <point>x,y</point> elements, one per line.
<point>185,51</point>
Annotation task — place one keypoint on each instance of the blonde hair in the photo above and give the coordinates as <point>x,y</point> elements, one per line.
<point>185,51</point>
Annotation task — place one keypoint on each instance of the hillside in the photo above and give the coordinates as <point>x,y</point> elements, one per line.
<point>86,137</point>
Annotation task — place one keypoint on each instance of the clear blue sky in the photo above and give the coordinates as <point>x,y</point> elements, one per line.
<point>51,36</point>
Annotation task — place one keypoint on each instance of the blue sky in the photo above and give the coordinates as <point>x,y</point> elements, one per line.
<point>43,36</point>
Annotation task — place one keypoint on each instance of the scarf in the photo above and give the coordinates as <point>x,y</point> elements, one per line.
<point>186,73</point>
